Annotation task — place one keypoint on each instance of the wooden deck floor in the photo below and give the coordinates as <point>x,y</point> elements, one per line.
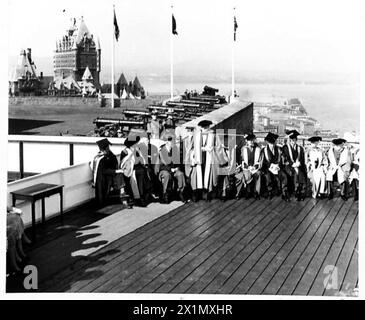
<point>233,247</point>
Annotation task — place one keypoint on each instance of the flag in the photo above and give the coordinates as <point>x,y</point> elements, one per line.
<point>174,25</point>
<point>116,28</point>
<point>235,26</point>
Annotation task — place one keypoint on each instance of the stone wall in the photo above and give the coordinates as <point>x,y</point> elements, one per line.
<point>53,101</point>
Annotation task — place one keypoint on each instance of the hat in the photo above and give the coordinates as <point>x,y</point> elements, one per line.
<point>103,143</point>
<point>315,139</point>
<point>205,123</point>
<point>292,134</point>
<point>271,137</point>
<point>249,136</point>
<point>128,142</point>
<point>338,141</point>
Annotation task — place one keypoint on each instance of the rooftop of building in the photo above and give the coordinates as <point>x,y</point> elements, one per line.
<point>235,247</point>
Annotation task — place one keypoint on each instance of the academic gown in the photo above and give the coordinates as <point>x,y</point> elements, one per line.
<point>250,158</point>
<point>204,174</point>
<point>295,155</point>
<point>104,176</point>
<point>340,166</point>
<point>267,159</point>
<point>316,162</point>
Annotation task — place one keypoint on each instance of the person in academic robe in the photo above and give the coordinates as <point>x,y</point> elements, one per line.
<point>133,163</point>
<point>171,174</point>
<point>250,173</point>
<point>225,165</point>
<point>106,176</point>
<point>339,166</point>
<point>294,166</point>
<point>203,177</point>
<point>355,173</point>
<point>316,162</point>
<point>271,167</point>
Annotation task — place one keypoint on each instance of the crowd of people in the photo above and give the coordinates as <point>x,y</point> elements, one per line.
<point>204,165</point>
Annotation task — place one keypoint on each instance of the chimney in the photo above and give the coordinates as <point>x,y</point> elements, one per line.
<point>29,55</point>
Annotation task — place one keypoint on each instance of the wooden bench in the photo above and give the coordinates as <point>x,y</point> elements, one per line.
<point>39,192</point>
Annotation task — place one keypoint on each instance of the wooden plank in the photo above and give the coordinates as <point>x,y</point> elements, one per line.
<point>191,262</point>
<point>61,281</point>
<point>297,221</point>
<point>350,281</point>
<point>278,275</point>
<point>237,217</point>
<point>130,245</point>
<point>117,268</point>
<point>344,259</point>
<point>318,255</point>
<point>202,271</point>
<point>184,239</point>
<point>265,237</point>
<point>319,284</point>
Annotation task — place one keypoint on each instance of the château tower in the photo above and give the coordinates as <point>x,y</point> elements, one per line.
<point>76,51</point>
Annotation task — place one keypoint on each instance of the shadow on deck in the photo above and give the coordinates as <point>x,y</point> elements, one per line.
<point>235,247</point>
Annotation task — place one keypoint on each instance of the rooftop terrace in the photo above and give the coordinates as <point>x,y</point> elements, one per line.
<point>235,247</point>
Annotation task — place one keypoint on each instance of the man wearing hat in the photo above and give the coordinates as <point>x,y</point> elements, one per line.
<point>271,167</point>
<point>339,160</point>
<point>355,173</point>
<point>250,166</point>
<point>204,175</point>
<point>316,162</point>
<point>294,165</point>
<point>105,173</point>
<point>133,162</point>
<point>170,174</point>
<point>154,126</point>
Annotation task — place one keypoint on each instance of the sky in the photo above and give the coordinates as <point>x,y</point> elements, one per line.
<point>311,39</point>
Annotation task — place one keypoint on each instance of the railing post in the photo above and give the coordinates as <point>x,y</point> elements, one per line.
<point>71,145</point>
<point>21,159</point>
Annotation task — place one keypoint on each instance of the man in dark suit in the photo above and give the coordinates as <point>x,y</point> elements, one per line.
<point>271,167</point>
<point>294,165</point>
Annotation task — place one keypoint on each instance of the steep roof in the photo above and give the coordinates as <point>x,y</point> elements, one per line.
<point>122,80</point>
<point>87,74</point>
<point>82,31</point>
<point>136,83</point>
<point>23,66</point>
<point>67,82</point>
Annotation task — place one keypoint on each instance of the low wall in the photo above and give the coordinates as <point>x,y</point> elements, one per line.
<point>77,190</point>
<point>236,116</point>
<point>53,101</point>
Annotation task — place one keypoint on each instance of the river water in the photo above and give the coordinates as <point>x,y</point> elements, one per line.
<point>336,106</point>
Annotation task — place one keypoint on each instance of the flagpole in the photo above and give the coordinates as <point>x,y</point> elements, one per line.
<point>112,75</point>
<point>233,44</point>
<point>171,61</point>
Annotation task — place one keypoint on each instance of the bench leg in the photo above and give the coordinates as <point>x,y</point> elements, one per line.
<point>61,206</point>
<point>43,211</point>
<point>33,222</point>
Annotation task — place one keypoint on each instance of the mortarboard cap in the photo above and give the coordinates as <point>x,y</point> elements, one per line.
<point>250,137</point>
<point>315,139</point>
<point>205,123</point>
<point>338,141</point>
<point>103,143</point>
<point>271,137</point>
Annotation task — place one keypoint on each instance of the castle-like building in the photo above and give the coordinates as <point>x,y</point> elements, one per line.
<point>77,53</point>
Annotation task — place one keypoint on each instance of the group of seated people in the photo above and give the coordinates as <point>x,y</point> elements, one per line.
<point>202,166</point>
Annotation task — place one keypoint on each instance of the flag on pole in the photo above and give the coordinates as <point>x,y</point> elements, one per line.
<point>235,26</point>
<point>174,25</point>
<point>116,28</point>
